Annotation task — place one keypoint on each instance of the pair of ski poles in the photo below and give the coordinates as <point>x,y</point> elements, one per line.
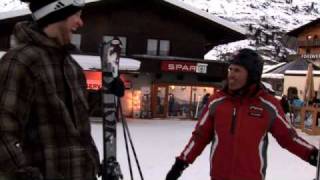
<point>127,135</point>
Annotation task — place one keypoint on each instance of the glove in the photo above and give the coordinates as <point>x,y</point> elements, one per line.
<point>117,87</point>
<point>313,158</point>
<point>176,170</point>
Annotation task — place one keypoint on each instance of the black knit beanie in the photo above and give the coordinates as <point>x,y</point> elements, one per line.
<point>252,62</point>
<point>57,10</point>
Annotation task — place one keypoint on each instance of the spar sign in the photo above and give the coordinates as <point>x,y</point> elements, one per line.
<point>179,66</point>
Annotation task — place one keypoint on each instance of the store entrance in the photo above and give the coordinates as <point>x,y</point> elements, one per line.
<point>178,101</point>
<point>159,101</point>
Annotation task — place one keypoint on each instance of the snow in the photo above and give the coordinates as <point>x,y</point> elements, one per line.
<point>159,141</point>
<point>275,13</point>
<point>229,47</point>
<point>268,68</point>
<point>207,15</point>
<point>14,13</point>
<point>93,62</point>
<point>273,76</point>
<point>13,5</point>
<point>300,72</point>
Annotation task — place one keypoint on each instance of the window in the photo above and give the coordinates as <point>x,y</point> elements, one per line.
<point>158,47</point>
<point>76,40</point>
<point>123,42</point>
<point>164,47</point>
<point>152,47</point>
<point>13,41</point>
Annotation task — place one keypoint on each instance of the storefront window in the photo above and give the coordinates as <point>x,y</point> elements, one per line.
<point>200,97</point>
<point>179,101</point>
<point>186,101</point>
<point>160,100</point>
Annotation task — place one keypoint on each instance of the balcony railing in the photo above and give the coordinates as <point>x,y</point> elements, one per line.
<point>303,56</point>
<point>310,56</point>
<point>309,43</point>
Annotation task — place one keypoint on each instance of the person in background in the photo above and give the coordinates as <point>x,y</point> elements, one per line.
<point>171,105</point>
<point>44,121</point>
<point>237,121</point>
<point>285,104</point>
<point>297,102</point>
<point>203,103</point>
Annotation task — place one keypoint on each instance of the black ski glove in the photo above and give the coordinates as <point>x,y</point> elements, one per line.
<point>117,87</point>
<point>176,170</point>
<point>313,158</point>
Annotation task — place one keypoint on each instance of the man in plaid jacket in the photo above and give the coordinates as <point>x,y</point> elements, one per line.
<point>44,120</point>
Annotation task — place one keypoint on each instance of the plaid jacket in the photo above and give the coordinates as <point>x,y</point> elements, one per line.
<point>43,110</point>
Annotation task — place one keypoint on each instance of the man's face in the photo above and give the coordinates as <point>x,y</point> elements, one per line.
<point>237,77</point>
<point>69,26</point>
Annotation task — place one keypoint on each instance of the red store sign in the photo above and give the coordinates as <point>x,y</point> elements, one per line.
<point>177,66</point>
<point>94,80</point>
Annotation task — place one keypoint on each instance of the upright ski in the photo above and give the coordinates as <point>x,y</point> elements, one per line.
<point>318,165</point>
<point>110,53</point>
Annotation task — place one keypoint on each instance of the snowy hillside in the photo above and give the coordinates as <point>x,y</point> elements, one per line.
<point>266,20</point>
<point>283,14</point>
<point>9,5</point>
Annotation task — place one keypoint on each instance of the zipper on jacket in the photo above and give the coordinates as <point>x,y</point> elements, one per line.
<point>233,120</point>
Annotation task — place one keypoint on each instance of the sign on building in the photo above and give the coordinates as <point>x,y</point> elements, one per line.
<point>177,66</point>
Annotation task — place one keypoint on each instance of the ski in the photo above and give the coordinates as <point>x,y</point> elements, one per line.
<point>110,54</point>
<point>318,165</point>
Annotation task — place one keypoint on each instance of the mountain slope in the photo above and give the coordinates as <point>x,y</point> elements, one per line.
<point>266,20</point>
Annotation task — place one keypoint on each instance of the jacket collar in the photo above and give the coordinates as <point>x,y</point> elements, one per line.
<point>250,91</point>
<point>30,33</point>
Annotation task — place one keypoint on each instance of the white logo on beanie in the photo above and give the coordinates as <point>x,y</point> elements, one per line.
<point>55,6</point>
<point>78,2</point>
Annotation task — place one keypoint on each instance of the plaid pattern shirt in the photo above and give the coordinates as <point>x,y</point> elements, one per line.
<point>44,120</point>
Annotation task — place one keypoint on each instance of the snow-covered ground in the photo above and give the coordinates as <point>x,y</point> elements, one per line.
<point>157,142</point>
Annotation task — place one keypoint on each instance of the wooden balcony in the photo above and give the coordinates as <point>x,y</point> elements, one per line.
<point>309,43</point>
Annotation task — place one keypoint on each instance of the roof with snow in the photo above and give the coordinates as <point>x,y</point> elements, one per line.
<point>269,68</point>
<point>299,64</point>
<point>301,73</point>
<point>300,29</point>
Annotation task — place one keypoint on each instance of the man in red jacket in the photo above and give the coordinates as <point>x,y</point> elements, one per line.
<point>237,121</point>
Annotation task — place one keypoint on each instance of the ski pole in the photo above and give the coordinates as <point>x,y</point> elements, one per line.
<point>130,140</point>
<point>126,142</point>
<point>318,166</point>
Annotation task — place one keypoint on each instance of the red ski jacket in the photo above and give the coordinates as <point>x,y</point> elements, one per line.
<point>238,127</point>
